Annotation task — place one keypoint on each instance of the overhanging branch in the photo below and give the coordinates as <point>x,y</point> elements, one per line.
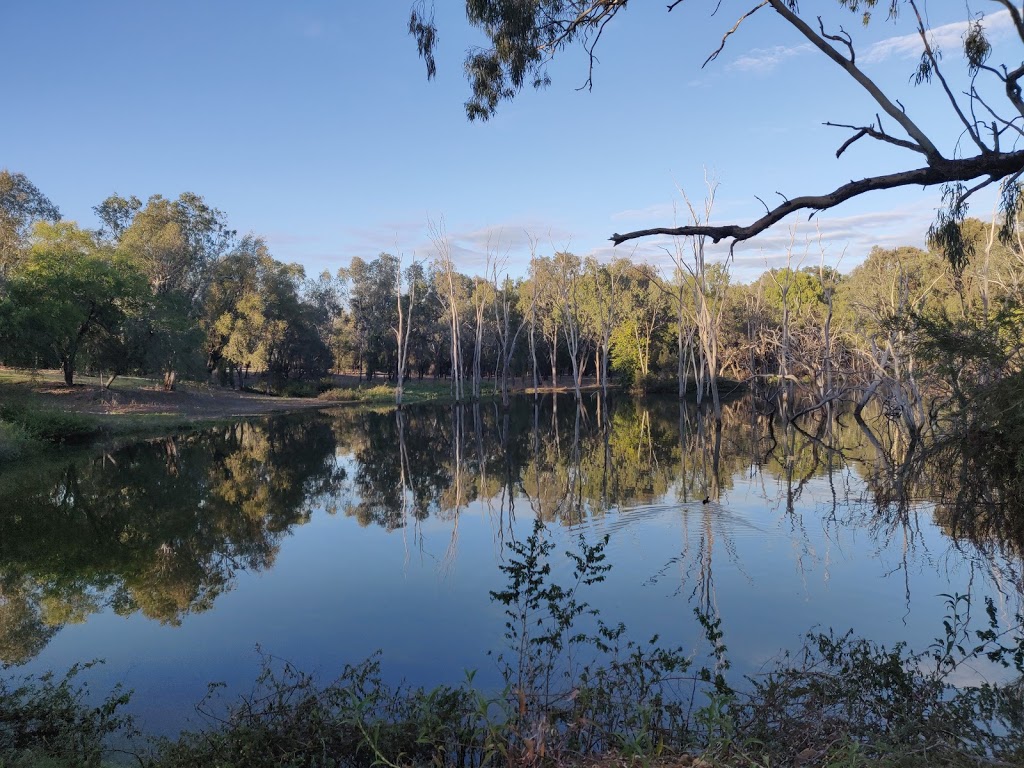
<point>938,172</point>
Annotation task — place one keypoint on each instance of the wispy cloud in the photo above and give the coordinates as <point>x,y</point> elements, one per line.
<point>946,37</point>
<point>766,59</point>
<point>657,212</point>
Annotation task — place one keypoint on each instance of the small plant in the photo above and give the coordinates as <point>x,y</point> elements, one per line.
<point>846,701</point>
<point>576,685</point>
<point>47,720</point>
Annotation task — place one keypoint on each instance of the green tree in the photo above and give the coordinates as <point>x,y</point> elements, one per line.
<point>374,312</point>
<point>69,292</point>
<point>21,206</point>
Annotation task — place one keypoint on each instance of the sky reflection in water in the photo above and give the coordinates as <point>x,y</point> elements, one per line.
<point>324,538</point>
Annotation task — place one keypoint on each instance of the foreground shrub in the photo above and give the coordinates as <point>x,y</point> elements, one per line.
<point>48,721</point>
<point>15,441</point>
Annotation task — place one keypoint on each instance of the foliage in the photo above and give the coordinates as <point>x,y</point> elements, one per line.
<point>356,720</point>
<point>68,293</point>
<point>523,38</point>
<point>21,206</point>
<point>49,721</point>
<point>844,700</point>
<point>30,422</point>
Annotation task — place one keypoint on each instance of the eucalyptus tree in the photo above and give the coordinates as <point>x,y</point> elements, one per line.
<point>68,292</point>
<point>404,305</point>
<point>508,297</point>
<point>601,307</point>
<point>568,272</point>
<point>549,312</point>
<point>175,243</point>
<point>522,38</point>
<point>642,313</point>
<point>374,313</point>
<point>21,206</point>
<point>448,285</point>
<point>482,296</point>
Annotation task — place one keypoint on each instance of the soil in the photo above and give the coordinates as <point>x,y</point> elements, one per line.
<point>190,402</point>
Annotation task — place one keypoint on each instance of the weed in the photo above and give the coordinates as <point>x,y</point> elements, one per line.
<point>47,721</point>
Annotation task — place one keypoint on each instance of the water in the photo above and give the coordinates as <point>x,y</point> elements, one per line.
<point>323,538</point>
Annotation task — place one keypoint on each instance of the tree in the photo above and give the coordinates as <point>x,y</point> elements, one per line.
<point>374,313</point>
<point>21,206</point>
<point>68,292</point>
<point>175,243</point>
<point>523,37</point>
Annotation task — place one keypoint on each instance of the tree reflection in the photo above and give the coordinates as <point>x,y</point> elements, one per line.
<point>160,528</point>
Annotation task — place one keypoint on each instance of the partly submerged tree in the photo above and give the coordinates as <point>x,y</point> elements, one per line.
<point>525,36</point>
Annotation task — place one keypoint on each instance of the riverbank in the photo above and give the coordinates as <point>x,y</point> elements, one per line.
<point>38,410</point>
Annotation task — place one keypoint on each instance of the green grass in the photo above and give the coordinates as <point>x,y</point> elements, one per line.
<point>30,424</point>
<point>384,394</point>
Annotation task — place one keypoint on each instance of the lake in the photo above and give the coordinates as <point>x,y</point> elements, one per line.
<point>323,538</point>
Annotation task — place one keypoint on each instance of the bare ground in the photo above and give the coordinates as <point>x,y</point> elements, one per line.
<point>189,402</point>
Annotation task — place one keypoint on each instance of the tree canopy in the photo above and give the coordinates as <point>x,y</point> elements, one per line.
<point>525,36</point>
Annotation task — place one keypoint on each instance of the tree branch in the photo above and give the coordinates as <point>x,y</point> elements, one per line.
<point>874,133</point>
<point>933,59</point>
<point>927,146</point>
<point>732,31</point>
<point>939,171</point>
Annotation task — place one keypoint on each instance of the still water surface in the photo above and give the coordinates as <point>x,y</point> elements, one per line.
<point>322,538</point>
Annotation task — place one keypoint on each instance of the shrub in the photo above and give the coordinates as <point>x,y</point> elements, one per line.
<point>47,721</point>
<point>49,425</point>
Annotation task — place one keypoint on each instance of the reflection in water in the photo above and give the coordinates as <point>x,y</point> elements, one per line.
<point>159,529</point>
<point>164,528</point>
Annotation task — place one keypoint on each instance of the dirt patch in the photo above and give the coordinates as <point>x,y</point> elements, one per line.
<point>191,402</point>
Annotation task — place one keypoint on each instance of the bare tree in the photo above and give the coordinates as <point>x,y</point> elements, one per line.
<point>404,326</point>
<point>448,296</point>
<point>707,304</point>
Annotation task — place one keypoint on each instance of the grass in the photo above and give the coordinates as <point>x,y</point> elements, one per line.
<point>415,391</point>
<point>31,424</point>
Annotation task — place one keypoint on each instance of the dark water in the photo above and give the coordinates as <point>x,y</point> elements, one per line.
<point>323,538</point>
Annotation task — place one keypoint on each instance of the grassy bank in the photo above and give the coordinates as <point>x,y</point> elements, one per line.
<point>577,692</point>
<point>38,411</point>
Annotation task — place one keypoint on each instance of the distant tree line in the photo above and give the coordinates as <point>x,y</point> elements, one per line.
<point>167,288</point>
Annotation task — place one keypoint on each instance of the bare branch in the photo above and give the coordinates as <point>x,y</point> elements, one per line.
<point>939,171</point>
<point>899,115</point>
<point>843,37</point>
<point>727,35</point>
<point>875,133</point>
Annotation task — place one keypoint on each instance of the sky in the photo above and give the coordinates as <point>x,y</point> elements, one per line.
<point>311,123</point>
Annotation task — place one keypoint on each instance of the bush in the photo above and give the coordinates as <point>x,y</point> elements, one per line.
<point>49,425</point>
<point>46,721</point>
<point>15,442</point>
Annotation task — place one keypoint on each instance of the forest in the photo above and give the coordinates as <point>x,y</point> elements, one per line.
<point>167,289</point>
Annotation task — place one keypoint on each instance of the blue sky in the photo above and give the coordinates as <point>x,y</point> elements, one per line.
<point>313,125</point>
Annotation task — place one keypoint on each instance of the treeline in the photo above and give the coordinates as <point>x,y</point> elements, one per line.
<point>167,287</point>
<point>164,287</point>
